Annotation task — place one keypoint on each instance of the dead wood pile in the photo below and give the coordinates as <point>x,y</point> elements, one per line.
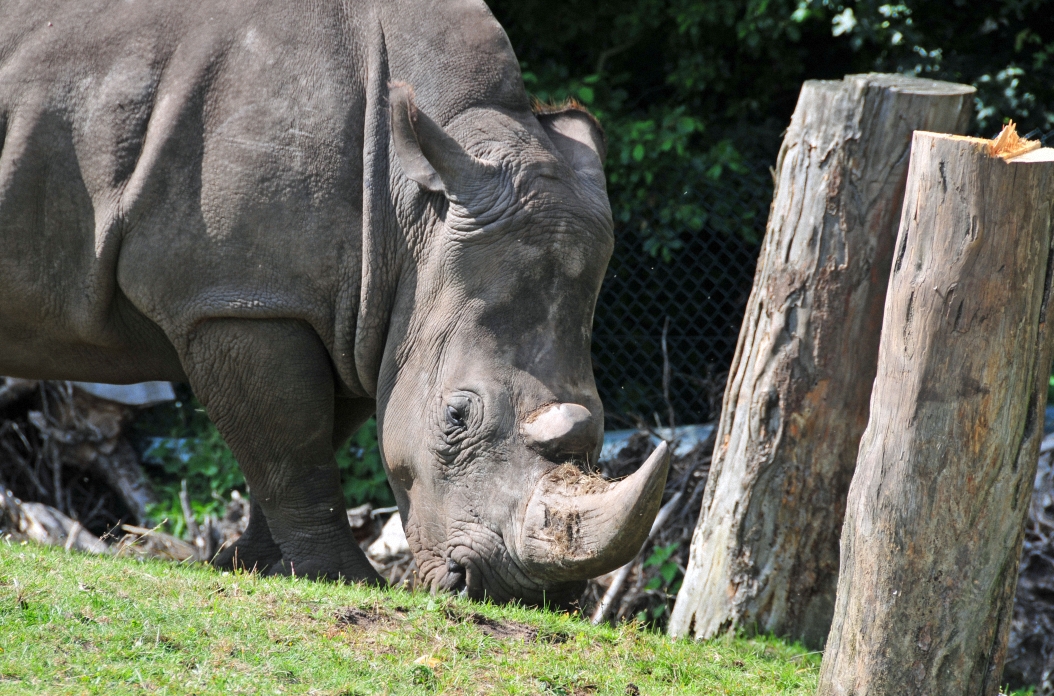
<point>65,448</point>
<point>70,477</point>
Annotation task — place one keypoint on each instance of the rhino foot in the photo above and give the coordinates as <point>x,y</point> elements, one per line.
<point>255,550</point>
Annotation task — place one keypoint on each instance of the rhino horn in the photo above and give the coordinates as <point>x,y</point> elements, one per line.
<point>428,154</point>
<point>560,429</point>
<point>577,527</point>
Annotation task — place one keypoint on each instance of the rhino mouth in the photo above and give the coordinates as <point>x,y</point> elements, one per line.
<point>478,565</point>
<point>456,578</point>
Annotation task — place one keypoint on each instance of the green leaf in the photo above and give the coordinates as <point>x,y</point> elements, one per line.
<point>687,125</point>
<point>660,554</point>
<point>669,571</point>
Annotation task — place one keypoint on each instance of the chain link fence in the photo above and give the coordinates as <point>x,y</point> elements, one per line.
<point>665,333</point>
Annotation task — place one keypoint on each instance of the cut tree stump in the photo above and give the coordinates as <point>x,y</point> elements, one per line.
<point>937,506</point>
<point>765,552</point>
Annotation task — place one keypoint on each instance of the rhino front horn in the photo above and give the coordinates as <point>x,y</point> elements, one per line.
<point>577,527</point>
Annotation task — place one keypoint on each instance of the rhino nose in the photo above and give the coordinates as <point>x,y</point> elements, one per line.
<point>559,430</point>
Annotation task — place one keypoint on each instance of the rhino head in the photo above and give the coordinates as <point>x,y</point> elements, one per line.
<point>488,414</point>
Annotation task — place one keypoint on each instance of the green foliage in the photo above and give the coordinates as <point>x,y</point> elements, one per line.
<point>1003,48</point>
<point>362,474</point>
<point>667,579</point>
<point>669,571</point>
<point>179,443</point>
<point>651,156</point>
<point>690,89</point>
<point>202,459</point>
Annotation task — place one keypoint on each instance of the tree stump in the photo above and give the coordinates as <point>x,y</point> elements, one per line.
<point>765,551</point>
<point>936,510</point>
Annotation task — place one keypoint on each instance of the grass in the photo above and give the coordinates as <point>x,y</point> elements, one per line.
<point>73,624</point>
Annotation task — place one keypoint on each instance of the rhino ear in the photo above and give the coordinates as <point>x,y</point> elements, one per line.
<point>427,153</point>
<point>579,138</point>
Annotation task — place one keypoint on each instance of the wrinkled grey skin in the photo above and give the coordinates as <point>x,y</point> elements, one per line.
<point>209,191</point>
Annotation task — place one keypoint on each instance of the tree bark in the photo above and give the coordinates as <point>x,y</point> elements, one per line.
<point>765,552</point>
<point>937,507</point>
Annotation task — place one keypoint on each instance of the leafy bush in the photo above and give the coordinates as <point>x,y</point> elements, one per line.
<point>667,579</point>
<point>362,474</point>
<point>202,459</point>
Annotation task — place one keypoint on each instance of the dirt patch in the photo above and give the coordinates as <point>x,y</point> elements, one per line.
<point>369,619</point>
<point>506,630</point>
<point>503,630</point>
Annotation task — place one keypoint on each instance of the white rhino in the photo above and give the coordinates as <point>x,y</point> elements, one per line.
<point>313,212</point>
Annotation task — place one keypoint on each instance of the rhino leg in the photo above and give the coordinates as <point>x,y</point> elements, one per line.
<point>255,549</point>
<point>269,387</point>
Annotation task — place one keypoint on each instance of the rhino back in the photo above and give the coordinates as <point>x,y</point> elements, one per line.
<point>164,162</point>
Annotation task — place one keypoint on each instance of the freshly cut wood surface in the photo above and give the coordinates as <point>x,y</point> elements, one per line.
<point>936,510</point>
<point>1009,145</point>
<point>765,553</point>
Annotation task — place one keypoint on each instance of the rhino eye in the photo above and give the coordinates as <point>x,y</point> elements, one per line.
<point>454,418</point>
<point>458,419</point>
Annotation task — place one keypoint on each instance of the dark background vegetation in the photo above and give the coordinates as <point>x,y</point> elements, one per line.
<point>687,89</point>
<point>694,96</point>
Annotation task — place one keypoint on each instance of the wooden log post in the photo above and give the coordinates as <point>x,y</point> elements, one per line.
<point>765,552</point>
<point>937,507</point>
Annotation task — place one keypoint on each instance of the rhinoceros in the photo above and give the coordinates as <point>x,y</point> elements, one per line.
<point>311,213</point>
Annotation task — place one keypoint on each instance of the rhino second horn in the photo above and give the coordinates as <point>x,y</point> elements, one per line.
<point>560,429</point>
<point>577,527</point>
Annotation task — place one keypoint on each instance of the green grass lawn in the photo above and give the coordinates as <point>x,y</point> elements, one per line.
<point>71,624</point>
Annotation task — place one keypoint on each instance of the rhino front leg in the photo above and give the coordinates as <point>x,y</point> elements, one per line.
<point>256,549</point>
<point>269,387</point>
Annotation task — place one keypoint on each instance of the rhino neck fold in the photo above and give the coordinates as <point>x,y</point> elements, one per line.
<point>380,229</point>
